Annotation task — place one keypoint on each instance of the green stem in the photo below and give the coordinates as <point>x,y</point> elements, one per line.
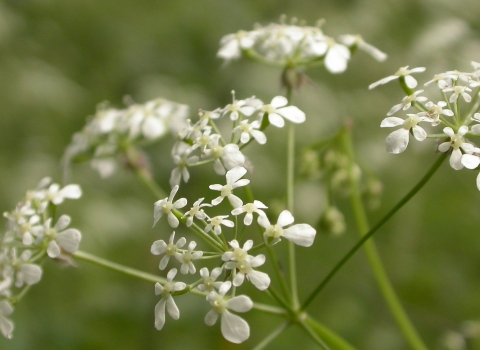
<point>314,335</point>
<point>374,229</point>
<point>290,203</point>
<point>330,338</point>
<point>276,332</point>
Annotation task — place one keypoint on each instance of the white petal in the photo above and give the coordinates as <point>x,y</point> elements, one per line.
<point>259,136</point>
<point>397,141</point>
<point>248,245</point>
<point>391,122</point>
<point>172,220</point>
<point>470,161</point>
<point>456,159</point>
<point>276,120</point>
<point>395,109</point>
<point>285,218</point>
<point>71,191</point>
<point>69,240</point>
<point>62,222</point>
<point>419,133</point>
<point>234,328</point>
<point>235,201</point>
<point>292,113</point>
<point>444,147</point>
<point>158,247</point>
<point>383,81</point>
<point>239,279</point>
<point>337,58</point>
<point>173,309</point>
<point>410,81</point>
<point>259,279</point>
<point>301,234</point>
<point>163,262</point>
<point>153,128</point>
<point>478,181</point>
<point>448,131</point>
<point>211,317</point>
<point>279,101</point>
<point>53,249</point>
<point>240,303</point>
<point>234,174</point>
<point>31,273</point>
<point>160,314</point>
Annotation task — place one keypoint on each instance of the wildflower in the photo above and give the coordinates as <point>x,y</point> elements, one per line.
<point>238,107</point>
<point>186,258</point>
<point>435,111</point>
<point>209,280</point>
<point>357,41</point>
<point>57,195</point>
<point>397,141</point>
<point>229,154</point>
<point>456,142</point>
<point>233,181</point>
<point>215,223</point>
<point>276,112</point>
<point>165,206</point>
<point>196,211</point>
<point>250,208</point>
<point>181,171</point>
<point>245,129</point>
<point>234,328</point>
<point>404,72</point>
<point>239,260</point>
<point>459,91</point>
<point>169,250</point>
<point>407,102</point>
<point>67,240</point>
<point>167,299</point>
<point>337,57</point>
<point>300,234</point>
<point>27,273</point>
<point>231,45</point>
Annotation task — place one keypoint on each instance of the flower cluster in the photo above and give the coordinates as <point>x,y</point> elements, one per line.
<point>112,131</point>
<point>282,44</point>
<point>202,140</point>
<point>31,233</point>
<point>456,110</point>
<point>235,261</point>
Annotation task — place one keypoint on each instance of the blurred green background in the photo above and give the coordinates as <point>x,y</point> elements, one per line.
<point>59,59</point>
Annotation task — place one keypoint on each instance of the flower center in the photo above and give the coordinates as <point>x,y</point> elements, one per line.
<point>239,254</point>
<point>217,151</point>
<point>457,141</point>
<point>219,305</point>
<point>274,231</point>
<point>226,190</point>
<point>167,207</point>
<point>244,266</point>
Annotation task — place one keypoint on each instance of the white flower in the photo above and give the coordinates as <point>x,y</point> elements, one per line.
<point>196,211</point>
<point>57,195</point>
<point>357,40</point>
<point>215,223</point>
<point>231,45</point>
<point>229,154</point>
<point>238,107</point>
<point>233,181</point>
<point>186,258</point>
<point>209,280</point>
<point>160,247</point>
<point>435,111</point>
<point>233,327</point>
<point>6,326</point>
<point>239,260</point>
<point>457,91</point>
<point>67,240</point>
<point>165,206</point>
<point>167,299</point>
<point>457,141</point>
<point>276,112</point>
<point>407,102</point>
<point>397,141</point>
<point>181,171</point>
<point>300,234</point>
<point>27,273</point>
<point>410,81</point>
<point>250,208</point>
<point>246,129</point>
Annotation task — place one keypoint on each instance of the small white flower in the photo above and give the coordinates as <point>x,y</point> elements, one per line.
<point>238,107</point>
<point>457,141</point>
<point>6,325</point>
<point>196,211</point>
<point>234,328</point>
<point>231,45</point>
<point>27,273</point>
<point>435,111</point>
<point>165,206</point>
<point>459,91</point>
<point>182,162</point>
<point>215,223</point>
<point>57,195</point>
<point>230,155</point>
<point>410,81</point>
<point>407,102</point>
<point>186,258</point>
<point>233,181</point>
<point>397,141</point>
<point>167,299</point>
<point>160,247</point>
<point>276,112</point>
<point>337,57</point>
<point>300,234</point>
<point>245,129</point>
<point>67,240</point>
<point>250,208</point>
<point>209,280</point>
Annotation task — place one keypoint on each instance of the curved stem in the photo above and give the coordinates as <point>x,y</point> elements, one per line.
<point>384,284</point>
<point>276,332</point>
<point>374,229</point>
<point>330,338</point>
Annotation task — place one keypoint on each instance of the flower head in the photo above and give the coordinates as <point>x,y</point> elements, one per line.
<point>397,141</point>
<point>233,181</point>
<point>166,205</point>
<point>167,301</point>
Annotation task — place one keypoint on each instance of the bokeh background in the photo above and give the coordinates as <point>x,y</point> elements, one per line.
<point>59,59</point>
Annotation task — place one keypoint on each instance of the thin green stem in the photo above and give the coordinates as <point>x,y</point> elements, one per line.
<point>316,338</point>
<point>269,338</point>
<point>374,229</point>
<point>380,274</point>
<point>330,338</point>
